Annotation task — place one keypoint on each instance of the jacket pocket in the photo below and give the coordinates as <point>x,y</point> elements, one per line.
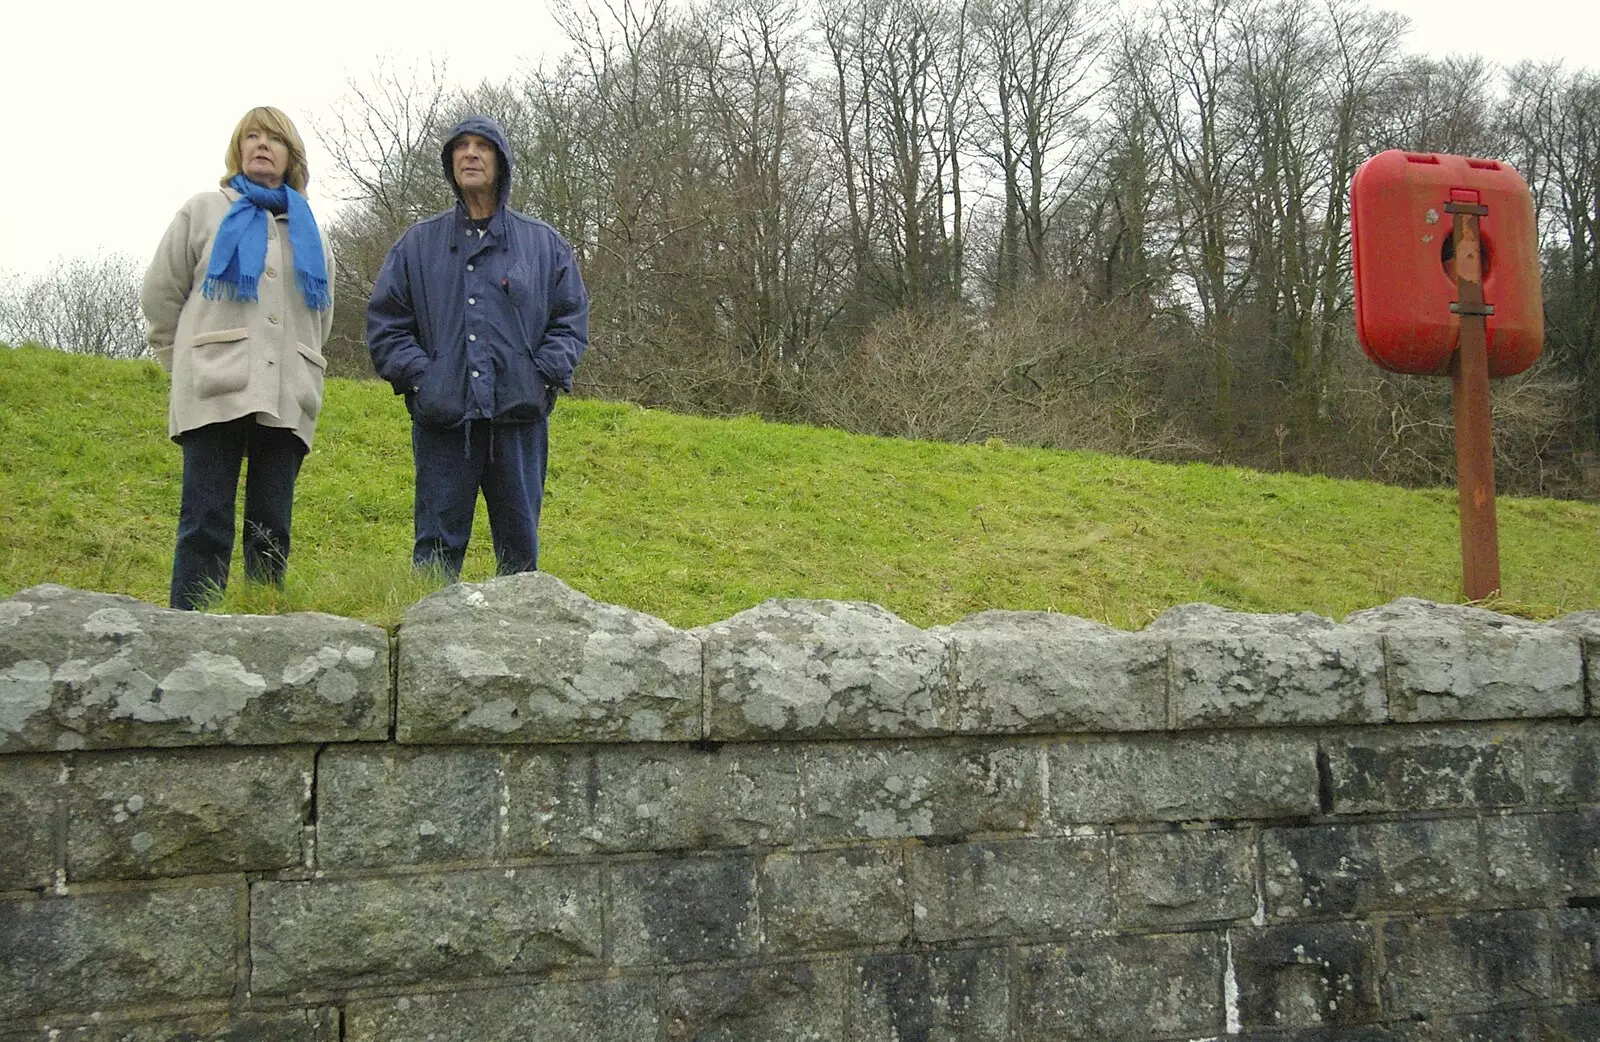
<point>528,302</point>
<point>441,396</point>
<point>220,361</point>
<point>519,388</point>
<point>308,389</point>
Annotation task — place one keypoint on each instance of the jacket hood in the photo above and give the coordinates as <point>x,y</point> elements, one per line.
<point>484,127</point>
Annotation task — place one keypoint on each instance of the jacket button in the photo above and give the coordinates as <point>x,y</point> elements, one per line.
<point>469,267</point>
<point>474,374</point>
<point>470,336</point>
<point>273,319</point>
<point>272,273</point>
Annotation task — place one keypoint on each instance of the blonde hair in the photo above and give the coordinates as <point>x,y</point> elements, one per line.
<point>273,121</point>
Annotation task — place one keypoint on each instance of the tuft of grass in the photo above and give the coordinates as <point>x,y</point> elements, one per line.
<point>693,519</point>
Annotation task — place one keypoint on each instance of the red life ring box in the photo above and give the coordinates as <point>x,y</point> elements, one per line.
<point>1399,231</point>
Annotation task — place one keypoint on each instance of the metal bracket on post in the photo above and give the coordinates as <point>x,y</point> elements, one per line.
<point>1469,376</point>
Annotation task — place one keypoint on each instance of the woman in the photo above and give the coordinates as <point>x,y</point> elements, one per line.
<point>239,301</point>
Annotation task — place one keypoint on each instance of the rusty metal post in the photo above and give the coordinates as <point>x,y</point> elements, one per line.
<point>1469,376</point>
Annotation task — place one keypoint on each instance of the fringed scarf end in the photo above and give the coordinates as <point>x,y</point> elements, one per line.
<point>216,288</point>
<point>314,289</point>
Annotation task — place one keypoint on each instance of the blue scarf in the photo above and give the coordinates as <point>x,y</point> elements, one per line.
<point>239,251</point>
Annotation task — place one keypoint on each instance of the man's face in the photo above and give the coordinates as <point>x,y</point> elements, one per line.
<point>472,160</point>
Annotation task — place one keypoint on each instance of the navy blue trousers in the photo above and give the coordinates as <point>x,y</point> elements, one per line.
<point>507,463</point>
<point>212,456</point>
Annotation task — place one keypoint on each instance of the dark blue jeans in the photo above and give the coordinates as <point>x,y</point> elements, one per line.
<point>211,458</point>
<point>507,462</point>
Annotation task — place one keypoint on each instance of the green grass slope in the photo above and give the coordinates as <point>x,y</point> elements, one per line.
<point>693,520</point>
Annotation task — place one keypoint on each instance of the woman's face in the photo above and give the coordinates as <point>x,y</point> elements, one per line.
<point>264,157</point>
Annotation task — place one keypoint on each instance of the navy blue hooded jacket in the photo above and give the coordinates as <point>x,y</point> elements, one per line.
<point>471,328</point>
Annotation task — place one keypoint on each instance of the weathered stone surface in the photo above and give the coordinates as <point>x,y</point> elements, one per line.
<point>1564,760</point>
<point>791,669</point>
<point>789,1002</point>
<point>680,911</point>
<point>1511,1025</point>
<point>1341,869</point>
<point>299,1025</point>
<point>578,1011</point>
<point>1577,954</point>
<point>1586,625</point>
<point>393,805</point>
<point>1027,672</point>
<point>1464,963</point>
<point>611,799</point>
<point>187,812</point>
<point>1401,1032</point>
<point>1230,669</point>
<point>961,995</point>
<point>1021,888</point>
<point>1448,662</point>
<point>30,820</point>
<point>1580,1023</point>
<point>1306,975</point>
<point>328,935</point>
<point>1180,878</point>
<point>103,951</point>
<point>1240,775</point>
<point>833,900</point>
<point>525,658</point>
<point>1375,771</point>
<point>1151,986</point>
<point>923,789</point>
<point>1539,857</point>
<point>97,671</point>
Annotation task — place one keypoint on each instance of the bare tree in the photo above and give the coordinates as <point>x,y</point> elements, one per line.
<point>1443,105</point>
<point>780,206</point>
<point>1040,57</point>
<point>1307,75</point>
<point>891,64</point>
<point>384,138</point>
<point>1553,118</point>
<point>1119,252</point>
<point>86,305</point>
<point>1184,67</point>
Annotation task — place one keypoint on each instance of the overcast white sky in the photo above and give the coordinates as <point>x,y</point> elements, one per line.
<point>112,114</point>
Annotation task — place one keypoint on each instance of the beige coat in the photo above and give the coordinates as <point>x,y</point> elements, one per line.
<point>233,358</point>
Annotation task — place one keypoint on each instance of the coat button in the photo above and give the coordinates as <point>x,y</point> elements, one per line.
<point>472,337</point>
<point>272,273</point>
<point>273,319</point>
<point>474,374</point>
<point>472,300</point>
<point>469,267</point>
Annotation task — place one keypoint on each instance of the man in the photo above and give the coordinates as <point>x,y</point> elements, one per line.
<point>478,317</point>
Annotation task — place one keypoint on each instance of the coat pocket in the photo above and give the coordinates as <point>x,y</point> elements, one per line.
<point>220,361</point>
<point>528,302</point>
<point>524,397</point>
<point>441,396</point>
<point>308,388</point>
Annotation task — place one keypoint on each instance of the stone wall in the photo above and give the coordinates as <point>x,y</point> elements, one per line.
<point>528,815</point>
